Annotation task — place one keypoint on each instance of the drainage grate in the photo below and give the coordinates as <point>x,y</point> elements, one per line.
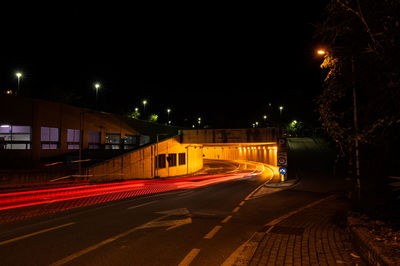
<point>287,230</point>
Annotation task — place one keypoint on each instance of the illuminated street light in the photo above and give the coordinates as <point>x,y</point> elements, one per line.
<point>144,105</point>
<point>96,87</point>
<point>168,111</point>
<point>265,117</point>
<point>321,52</point>
<point>280,110</point>
<point>19,75</point>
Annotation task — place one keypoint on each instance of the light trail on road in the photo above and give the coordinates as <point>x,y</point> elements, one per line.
<point>23,204</point>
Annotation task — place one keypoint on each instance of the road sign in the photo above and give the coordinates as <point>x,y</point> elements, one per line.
<point>282,142</point>
<point>282,159</point>
<point>282,170</point>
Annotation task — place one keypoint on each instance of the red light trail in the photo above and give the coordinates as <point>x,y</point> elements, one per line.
<point>22,204</point>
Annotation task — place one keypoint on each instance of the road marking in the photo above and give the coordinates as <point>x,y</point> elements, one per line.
<point>213,231</point>
<point>242,203</point>
<point>35,233</point>
<point>226,219</point>
<point>111,239</point>
<point>255,190</point>
<point>141,205</point>
<point>189,257</point>
<point>236,209</point>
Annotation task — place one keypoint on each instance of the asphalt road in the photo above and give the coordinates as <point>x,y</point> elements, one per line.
<point>201,226</point>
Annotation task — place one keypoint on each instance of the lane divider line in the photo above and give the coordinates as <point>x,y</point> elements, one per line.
<point>35,233</point>
<point>242,203</point>
<point>189,257</point>
<point>213,231</point>
<point>236,209</point>
<point>226,219</point>
<point>141,205</point>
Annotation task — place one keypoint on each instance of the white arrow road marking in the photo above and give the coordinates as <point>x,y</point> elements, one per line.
<point>155,223</point>
<point>171,224</point>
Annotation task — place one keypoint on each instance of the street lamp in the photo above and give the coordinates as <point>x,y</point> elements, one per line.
<point>96,87</point>
<point>144,105</point>
<point>355,121</point>
<point>168,111</point>
<point>280,110</point>
<point>19,75</point>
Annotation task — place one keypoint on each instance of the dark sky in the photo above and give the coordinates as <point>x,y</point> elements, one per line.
<point>223,62</point>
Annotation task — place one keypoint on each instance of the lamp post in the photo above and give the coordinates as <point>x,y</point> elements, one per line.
<point>19,75</point>
<point>96,87</point>
<point>144,105</point>
<point>168,111</point>
<point>323,52</point>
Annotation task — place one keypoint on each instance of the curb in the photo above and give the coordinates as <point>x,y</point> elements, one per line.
<point>367,247</point>
<point>286,184</point>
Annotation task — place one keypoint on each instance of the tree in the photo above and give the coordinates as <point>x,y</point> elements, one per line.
<point>134,114</point>
<point>153,118</point>
<point>362,39</point>
<point>294,128</point>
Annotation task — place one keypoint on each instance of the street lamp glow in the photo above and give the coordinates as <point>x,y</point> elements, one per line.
<point>321,52</point>
<point>280,108</point>
<point>19,75</point>
<point>97,86</point>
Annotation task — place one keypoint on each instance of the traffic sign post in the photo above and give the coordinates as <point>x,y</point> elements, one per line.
<point>282,173</point>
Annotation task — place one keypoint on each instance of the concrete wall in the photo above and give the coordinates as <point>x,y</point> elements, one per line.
<point>141,163</point>
<point>264,153</point>
<point>270,134</point>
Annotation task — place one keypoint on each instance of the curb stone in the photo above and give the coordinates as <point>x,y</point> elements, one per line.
<point>367,247</point>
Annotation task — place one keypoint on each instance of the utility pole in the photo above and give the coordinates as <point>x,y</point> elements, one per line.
<point>356,144</point>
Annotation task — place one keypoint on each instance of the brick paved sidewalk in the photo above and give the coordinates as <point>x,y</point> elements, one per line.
<point>315,235</point>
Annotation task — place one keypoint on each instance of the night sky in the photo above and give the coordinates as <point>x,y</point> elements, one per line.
<point>224,63</point>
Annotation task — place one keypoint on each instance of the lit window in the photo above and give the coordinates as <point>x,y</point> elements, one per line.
<point>113,141</point>
<point>130,141</point>
<point>50,138</point>
<point>94,140</point>
<point>15,137</point>
<point>73,139</point>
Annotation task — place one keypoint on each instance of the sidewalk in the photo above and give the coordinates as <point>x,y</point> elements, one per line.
<point>312,235</point>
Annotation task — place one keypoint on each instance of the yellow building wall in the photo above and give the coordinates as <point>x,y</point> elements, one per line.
<point>140,164</point>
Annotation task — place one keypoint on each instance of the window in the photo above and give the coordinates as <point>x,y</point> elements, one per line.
<point>73,139</point>
<point>160,161</point>
<point>130,142</point>
<point>94,140</point>
<point>50,138</point>
<point>15,137</point>
<point>113,141</point>
<point>182,158</point>
<point>172,159</point>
